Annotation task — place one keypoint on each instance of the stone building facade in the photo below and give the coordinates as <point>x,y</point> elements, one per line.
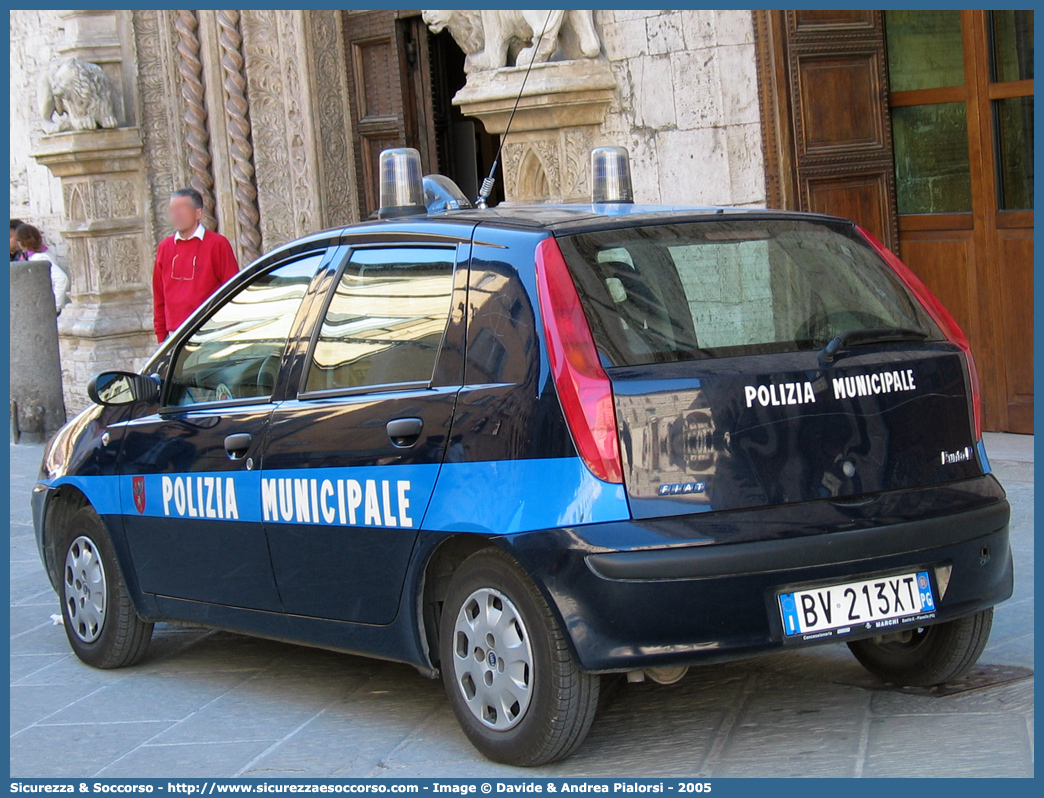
<point>277,117</point>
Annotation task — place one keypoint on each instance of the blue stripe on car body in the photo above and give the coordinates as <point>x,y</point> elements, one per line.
<point>494,497</point>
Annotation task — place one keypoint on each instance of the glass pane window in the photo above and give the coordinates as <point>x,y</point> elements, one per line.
<point>1011,33</point>
<point>385,321</point>
<point>925,50</point>
<point>1013,132</point>
<point>932,170</point>
<point>235,354</point>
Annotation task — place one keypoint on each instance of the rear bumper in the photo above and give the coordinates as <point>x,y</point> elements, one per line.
<point>709,599</point>
<point>835,548</point>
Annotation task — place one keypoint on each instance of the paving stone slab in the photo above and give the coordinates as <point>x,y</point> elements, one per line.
<point>943,745</point>
<point>191,761</point>
<point>76,751</point>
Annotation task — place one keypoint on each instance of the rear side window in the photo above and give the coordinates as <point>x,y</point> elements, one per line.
<point>732,287</point>
<point>385,321</point>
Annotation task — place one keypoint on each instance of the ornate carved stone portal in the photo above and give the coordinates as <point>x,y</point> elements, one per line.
<point>249,107</point>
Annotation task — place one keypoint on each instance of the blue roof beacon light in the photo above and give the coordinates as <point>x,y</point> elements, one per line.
<point>611,176</point>
<point>441,195</point>
<point>401,186</point>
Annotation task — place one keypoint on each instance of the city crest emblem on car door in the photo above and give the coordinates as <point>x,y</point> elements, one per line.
<point>138,485</point>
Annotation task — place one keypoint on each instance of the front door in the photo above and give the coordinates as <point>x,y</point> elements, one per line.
<point>194,529</point>
<point>961,97</point>
<point>351,462</point>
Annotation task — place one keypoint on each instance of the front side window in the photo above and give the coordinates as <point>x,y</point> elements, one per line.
<point>235,353</point>
<point>385,321</point>
<point>728,288</point>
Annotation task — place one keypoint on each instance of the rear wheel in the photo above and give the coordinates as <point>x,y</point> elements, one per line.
<point>100,621</point>
<point>929,655</point>
<point>512,682</point>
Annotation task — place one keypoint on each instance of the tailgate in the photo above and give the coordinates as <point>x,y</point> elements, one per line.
<point>747,432</point>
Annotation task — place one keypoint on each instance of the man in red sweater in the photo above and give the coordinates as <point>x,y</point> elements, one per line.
<point>190,265</point>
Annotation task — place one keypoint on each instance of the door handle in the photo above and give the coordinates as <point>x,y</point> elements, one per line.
<point>404,432</point>
<point>237,445</point>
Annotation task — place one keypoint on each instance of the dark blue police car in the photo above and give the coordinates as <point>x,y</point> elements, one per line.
<point>526,446</point>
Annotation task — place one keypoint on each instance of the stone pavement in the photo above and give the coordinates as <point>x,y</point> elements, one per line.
<point>212,704</point>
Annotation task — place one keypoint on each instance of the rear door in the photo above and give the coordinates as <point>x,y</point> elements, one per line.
<point>194,529</point>
<point>352,459</point>
<point>713,333</point>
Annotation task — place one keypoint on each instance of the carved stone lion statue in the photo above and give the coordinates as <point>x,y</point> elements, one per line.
<point>466,29</point>
<point>76,95</point>
<point>491,39</point>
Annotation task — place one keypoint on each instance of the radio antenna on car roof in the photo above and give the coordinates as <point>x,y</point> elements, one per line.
<point>489,180</point>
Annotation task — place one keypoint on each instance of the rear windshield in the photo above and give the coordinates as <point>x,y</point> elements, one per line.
<point>732,287</point>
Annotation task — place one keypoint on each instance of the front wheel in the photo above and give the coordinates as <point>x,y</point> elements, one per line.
<point>99,618</point>
<point>929,655</point>
<point>510,677</point>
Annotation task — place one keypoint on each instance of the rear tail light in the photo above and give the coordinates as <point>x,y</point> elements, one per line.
<point>940,315</point>
<point>583,387</point>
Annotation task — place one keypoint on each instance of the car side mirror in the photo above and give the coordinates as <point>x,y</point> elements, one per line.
<point>114,388</point>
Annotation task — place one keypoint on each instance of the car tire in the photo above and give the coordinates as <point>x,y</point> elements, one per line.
<point>494,610</point>
<point>99,618</point>
<point>933,655</point>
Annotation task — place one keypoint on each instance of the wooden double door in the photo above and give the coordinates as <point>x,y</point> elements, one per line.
<point>919,125</point>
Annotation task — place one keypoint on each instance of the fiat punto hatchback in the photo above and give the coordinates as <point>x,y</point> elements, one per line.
<point>528,446</point>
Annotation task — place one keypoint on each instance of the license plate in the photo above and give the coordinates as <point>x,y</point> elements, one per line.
<point>879,603</point>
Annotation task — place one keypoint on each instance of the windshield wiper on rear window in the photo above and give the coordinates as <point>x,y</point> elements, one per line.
<point>869,335</point>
